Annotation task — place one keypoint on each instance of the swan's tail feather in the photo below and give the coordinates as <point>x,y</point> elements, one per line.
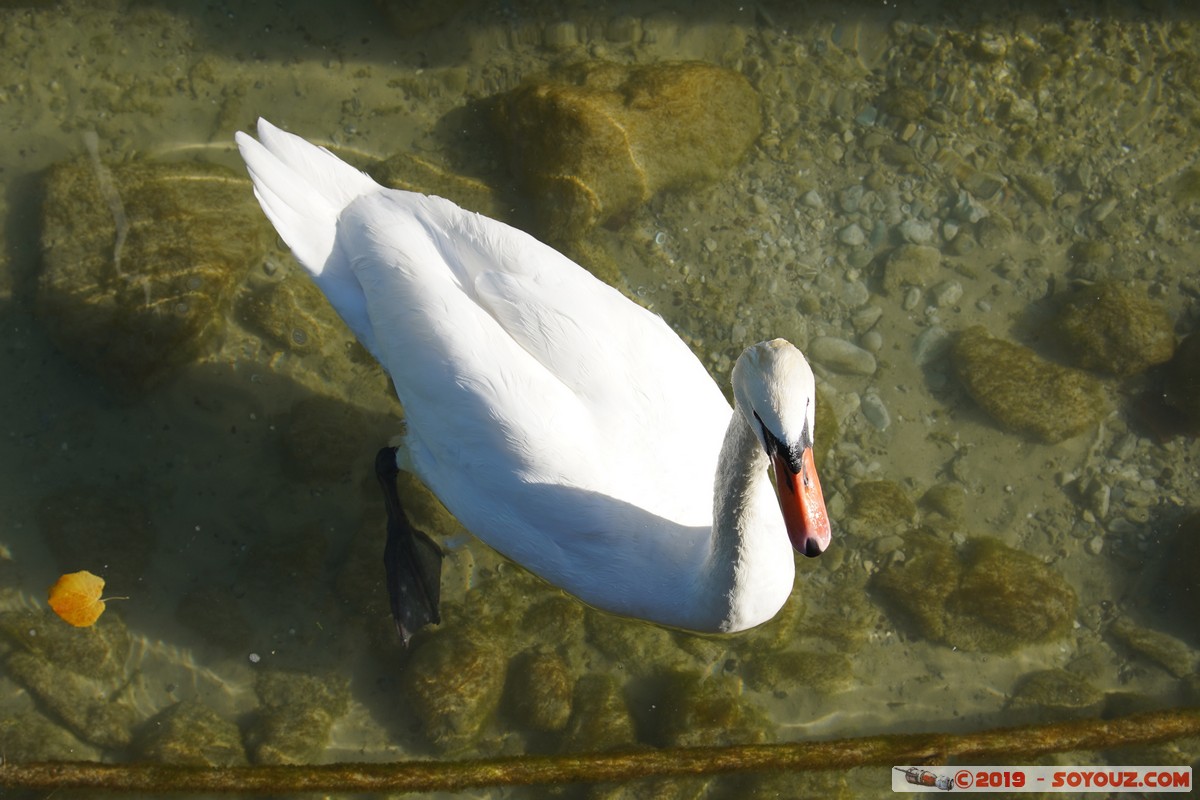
<point>302,189</point>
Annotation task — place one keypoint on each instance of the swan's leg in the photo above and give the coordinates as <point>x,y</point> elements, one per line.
<point>411,560</point>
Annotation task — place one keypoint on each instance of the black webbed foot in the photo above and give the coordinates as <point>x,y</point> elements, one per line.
<point>412,561</point>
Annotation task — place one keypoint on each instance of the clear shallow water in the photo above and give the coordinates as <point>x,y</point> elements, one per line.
<point>252,560</point>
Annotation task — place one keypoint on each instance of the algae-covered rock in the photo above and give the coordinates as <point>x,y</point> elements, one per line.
<point>600,718</point>
<point>97,652</point>
<point>1181,386</point>
<point>30,736</point>
<point>190,733</point>
<point>782,672</point>
<point>880,503</point>
<point>1024,392</point>
<point>1055,689</point>
<point>290,315</point>
<point>453,684</point>
<point>101,529</point>
<point>140,263</point>
<point>82,704</point>
<point>538,691</point>
<point>604,138</point>
<point>296,715</point>
<point>1161,648</point>
<point>945,505</point>
<point>984,596</point>
<point>690,708</point>
<point>628,640</point>
<point>412,174</point>
<point>1114,328</point>
<point>911,265</point>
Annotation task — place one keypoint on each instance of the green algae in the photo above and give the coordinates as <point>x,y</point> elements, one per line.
<point>295,716</point>
<point>1114,328</point>
<point>601,139</point>
<point>190,733</point>
<point>1055,689</point>
<point>1026,393</point>
<point>880,503</point>
<point>136,311</point>
<point>453,684</point>
<point>984,596</point>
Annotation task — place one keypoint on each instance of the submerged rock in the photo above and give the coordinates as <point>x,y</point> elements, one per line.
<point>1113,328</point>
<point>880,503</point>
<point>290,315</point>
<point>453,684</point>
<point>538,691</point>
<point>98,652</point>
<point>605,138</point>
<point>691,708</point>
<point>911,265</point>
<point>781,672</point>
<point>191,733</point>
<point>1024,392</point>
<point>600,719</point>
<point>1055,689</point>
<point>296,716</point>
<point>1163,649</point>
<point>985,596</point>
<point>80,703</point>
<point>945,505</point>
<point>140,263</point>
<point>30,736</point>
<point>841,356</point>
<point>413,174</point>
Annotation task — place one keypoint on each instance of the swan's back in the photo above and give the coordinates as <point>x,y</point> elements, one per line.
<point>558,420</point>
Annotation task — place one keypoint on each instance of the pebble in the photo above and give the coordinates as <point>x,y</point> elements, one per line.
<point>968,208</point>
<point>946,293</point>
<point>855,293</point>
<point>931,343</point>
<point>850,198</point>
<point>852,235</point>
<point>867,116</point>
<point>842,356</point>
<point>915,231</point>
<point>875,411</point>
<point>1102,209</point>
<point>865,317</point>
<point>1095,545</point>
<point>812,199</point>
<point>912,297</point>
<point>560,36</point>
<point>872,341</point>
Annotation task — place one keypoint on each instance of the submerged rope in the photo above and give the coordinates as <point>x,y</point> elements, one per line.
<point>429,776</point>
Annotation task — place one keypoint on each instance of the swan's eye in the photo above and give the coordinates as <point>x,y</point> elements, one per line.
<point>776,447</point>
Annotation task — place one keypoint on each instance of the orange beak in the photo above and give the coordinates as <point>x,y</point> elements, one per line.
<point>802,504</point>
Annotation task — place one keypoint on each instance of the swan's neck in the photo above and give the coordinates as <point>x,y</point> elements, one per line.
<point>751,563</point>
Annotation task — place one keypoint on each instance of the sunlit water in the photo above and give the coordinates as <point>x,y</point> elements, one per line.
<point>252,465</point>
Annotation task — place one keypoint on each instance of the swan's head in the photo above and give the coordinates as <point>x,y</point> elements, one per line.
<point>774,390</point>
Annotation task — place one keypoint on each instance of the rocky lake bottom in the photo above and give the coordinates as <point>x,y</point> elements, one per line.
<point>979,226</point>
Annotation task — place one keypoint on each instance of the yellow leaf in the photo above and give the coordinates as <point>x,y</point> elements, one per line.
<point>76,598</point>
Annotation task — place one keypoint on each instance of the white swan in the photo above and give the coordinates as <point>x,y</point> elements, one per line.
<point>561,423</point>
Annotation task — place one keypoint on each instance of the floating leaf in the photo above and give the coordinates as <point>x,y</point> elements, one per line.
<point>76,598</point>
